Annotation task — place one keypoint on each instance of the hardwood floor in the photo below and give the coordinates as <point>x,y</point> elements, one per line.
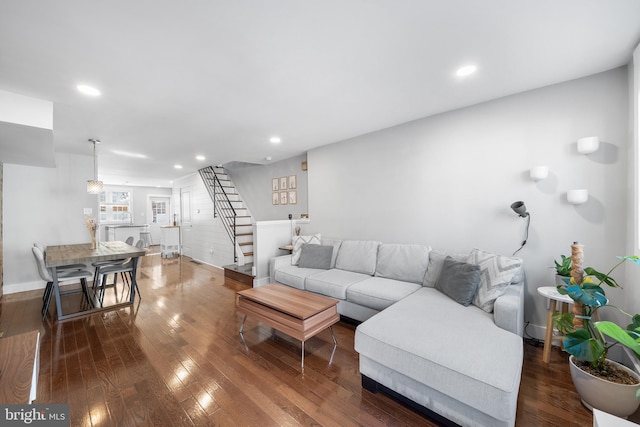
<point>176,359</point>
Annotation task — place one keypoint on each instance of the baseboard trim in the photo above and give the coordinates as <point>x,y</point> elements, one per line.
<point>534,331</point>
<point>261,282</point>
<point>23,287</point>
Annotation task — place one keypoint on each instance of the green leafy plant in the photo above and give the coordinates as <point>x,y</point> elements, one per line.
<point>588,342</point>
<point>563,268</point>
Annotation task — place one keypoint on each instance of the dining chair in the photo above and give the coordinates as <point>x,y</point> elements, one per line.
<point>60,268</point>
<point>96,265</point>
<point>64,275</point>
<point>124,268</point>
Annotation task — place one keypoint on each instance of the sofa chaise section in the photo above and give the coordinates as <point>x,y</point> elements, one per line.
<point>448,358</point>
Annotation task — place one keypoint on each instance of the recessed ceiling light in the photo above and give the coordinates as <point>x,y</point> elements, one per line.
<point>268,158</point>
<point>467,70</point>
<point>177,166</point>
<point>88,90</point>
<point>200,157</point>
<point>275,140</point>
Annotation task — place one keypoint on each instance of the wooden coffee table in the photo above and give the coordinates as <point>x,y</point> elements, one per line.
<point>297,313</point>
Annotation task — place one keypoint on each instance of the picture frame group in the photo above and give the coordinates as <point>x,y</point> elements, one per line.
<point>284,190</point>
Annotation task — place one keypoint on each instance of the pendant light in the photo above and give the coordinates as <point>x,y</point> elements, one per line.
<point>93,185</point>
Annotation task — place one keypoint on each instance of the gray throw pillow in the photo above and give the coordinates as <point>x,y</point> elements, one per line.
<point>315,256</point>
<point>298,241</point>
<point>459,280</point>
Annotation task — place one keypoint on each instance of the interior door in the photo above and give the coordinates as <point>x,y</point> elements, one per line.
<point>185,222</point>
<point>159,215</point>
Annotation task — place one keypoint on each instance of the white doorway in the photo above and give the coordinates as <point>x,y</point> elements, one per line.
<point>159,214</point>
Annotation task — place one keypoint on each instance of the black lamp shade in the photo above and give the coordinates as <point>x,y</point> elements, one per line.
<point>519,208</point>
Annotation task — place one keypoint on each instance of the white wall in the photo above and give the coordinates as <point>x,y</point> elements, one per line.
<point>44,205</point>
<point>631,302</point>
<point>254,185</point>
<point>448,180</point>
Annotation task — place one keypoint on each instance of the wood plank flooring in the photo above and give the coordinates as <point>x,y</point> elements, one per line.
<point>176,359</point>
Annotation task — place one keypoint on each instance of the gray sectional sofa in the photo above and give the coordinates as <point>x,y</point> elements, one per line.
<point>427,336</point>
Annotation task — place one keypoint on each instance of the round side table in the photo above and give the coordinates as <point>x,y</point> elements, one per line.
<point>551,293</point>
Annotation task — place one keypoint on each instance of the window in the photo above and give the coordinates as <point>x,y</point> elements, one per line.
<point>115,206</point>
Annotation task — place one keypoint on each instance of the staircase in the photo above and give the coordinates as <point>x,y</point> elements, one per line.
<point>229,207</point>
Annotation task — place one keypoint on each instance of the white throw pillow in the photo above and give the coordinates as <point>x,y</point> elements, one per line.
<point>298,241</point>
<point>496,272</point>
<point>436,261</point>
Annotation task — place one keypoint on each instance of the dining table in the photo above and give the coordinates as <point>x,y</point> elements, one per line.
<point>84,253</point>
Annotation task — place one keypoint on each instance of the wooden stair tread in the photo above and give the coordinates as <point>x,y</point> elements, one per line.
<point>221,190</point>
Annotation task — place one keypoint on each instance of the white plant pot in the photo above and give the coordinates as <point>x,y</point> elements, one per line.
<point>617,399</point>
<point>562,280</point>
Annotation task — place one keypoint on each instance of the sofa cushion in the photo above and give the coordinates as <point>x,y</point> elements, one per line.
<point>336,246</point>
<point>379,293</point>
<point>436,259</point>
<point>456,350</point>
<point>407,263</point>
<point>358,256</point>
<point>298,241</point>
<point>315,256</point>
<point>294,276</point>
<point>459,280</point>
<point>496,273</point>
<point>333,283</point>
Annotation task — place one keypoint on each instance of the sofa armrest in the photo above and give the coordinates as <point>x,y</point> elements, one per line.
<point>276,263</point>
<point>508,310</point>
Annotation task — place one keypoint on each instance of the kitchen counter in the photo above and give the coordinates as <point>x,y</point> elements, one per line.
<point>122,231</point>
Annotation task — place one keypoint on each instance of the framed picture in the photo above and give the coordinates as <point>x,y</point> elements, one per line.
<point>293,197</point>
<point>274,184</point>
<point>283,197</point>
<point>283,183</point>
<point>275,198</point>
<point>292,182</point>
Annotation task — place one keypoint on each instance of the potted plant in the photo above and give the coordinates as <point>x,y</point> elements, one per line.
<point>602,384</point>
<point>563,270</point>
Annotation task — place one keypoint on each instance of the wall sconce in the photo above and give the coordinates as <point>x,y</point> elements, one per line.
<point>520,208</point>
<point>577,197</point>
<point>588,145</point>
<point>539,173</point>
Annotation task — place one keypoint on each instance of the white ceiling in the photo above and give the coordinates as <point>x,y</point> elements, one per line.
<point>219,78</point>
